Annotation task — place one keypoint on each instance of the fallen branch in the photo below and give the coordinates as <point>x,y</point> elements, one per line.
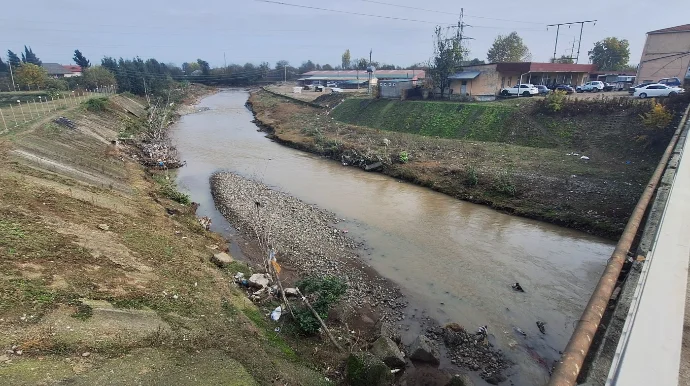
<point>328,332</point>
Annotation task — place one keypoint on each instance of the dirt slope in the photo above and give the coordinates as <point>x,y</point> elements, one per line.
<point>98,284</point>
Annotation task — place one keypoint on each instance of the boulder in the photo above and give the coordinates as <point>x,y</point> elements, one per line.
<point>259,280</point>
<point>221,259</point>
<point>424,351</point>
<point>364,369</point>
<point>386,350</point>
<point>386,142</point>
<point>496,379</point>
<point>461,380</point>
<point>389,331</point>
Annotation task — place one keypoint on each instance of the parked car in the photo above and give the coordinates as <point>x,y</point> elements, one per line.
<point>657,90</point>
<point>564,87</point>
<point>319,88</point>
<point>671,82</point>
<point>336,90</point>
<point>593,86</point>
<point>543,90</point>
<point>631,90</point>
<point>520,89</point>
<point>608,87</point>
<point>331,84</point>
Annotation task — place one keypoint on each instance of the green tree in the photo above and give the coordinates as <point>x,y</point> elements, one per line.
<point>188,68</point>
<point>509,48</point>
<point>475,62</point>
<point>28,56</point>
<point>307,66</point>
<point>610,54</point>
<point>449,54</point>
<point>204,67</point>
<point>282,64</point>
<point>346,59</point>
<point>80,60</point>
<point>3,67</point>
<point>98,76</point>
<point>562,59</point>
<point>361,64</point>
<point>327,67</point>
<point>31,76</point>
<point>13,59</point>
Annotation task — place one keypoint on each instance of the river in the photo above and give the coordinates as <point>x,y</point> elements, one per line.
<point>455,259</point>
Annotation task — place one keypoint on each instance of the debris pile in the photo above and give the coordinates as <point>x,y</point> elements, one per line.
<point>471,351</point>
<point>159,155</point>
<point>62,121</point>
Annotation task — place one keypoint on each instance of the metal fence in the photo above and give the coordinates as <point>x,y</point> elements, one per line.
<point>27,109</point>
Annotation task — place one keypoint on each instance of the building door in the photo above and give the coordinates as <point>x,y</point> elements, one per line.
<point>463,88</point>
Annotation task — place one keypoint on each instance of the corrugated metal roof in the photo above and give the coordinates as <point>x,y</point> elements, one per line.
<point>55,69</point>
<point>465,75</point>
<point>679,28</point>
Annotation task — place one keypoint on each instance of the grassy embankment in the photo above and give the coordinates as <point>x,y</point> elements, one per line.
<point>502,154</point>
<point>98,284</point>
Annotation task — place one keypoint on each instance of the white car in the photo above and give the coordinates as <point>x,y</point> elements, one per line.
<point>525,89</point>
<point>594,86</point>
<point>657,90</point>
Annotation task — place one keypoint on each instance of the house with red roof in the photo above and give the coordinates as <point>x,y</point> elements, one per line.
<point>74,70</point>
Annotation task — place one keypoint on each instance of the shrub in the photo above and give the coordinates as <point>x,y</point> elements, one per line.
<point>554,100</point>
<point>658,118</point>
<point>403,157</point>
<point>96,104</point>
<point>472,178</point>
<point>169,190</point>
<point>504,183</point>
<point>324,292</point>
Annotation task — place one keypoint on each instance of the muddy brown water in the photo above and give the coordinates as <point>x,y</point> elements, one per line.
<point>454,260</point>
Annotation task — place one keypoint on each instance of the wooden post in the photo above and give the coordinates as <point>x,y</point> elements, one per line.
<point>316,314</point>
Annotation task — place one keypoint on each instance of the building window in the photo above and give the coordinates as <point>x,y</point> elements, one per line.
<point>464,83</point>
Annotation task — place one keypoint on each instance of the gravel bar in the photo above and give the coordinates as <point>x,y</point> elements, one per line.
<point>304,236</point>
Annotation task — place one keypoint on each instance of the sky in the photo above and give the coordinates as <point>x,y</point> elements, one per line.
<point>255,31</point>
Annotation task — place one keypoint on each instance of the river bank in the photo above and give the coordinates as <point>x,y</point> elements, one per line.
<point>594,194</point>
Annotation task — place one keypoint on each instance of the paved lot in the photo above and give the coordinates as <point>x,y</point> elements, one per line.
<point>306,95</point>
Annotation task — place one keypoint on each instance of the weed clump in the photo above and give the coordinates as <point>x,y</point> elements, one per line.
<point>96,104</point>
<point>323,293</point>
<point>504,183</point>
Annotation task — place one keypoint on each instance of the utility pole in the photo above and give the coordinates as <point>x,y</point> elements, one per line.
<point>285,73</point>
<point>370,72</point>
<point>558,29</point>
<point>12,75</point>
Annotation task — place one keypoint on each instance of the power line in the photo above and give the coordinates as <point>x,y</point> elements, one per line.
<point>558,28</point>
<point>449,13</point>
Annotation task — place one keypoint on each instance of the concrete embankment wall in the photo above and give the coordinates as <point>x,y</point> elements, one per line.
<point>602,354</point>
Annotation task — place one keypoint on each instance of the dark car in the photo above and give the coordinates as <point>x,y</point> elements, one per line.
<point>543,90</point>
<point>631,90</point>
<point>608,87</point>
<point>564,87</point>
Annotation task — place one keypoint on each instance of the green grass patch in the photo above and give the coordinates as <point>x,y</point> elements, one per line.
<point>169,190</point>
<point>476,121</point>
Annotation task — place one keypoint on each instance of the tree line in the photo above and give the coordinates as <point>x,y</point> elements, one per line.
<point>140,76</point>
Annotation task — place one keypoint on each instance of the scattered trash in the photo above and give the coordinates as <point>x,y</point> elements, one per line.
<point>584,157</point>
<point>62,121</point>
<point>517,287</point>
<point>85,354</point>
<point>205,222</point>
<point>483,330</point>
<point>275,315</point>
<point>103,227</point>
<point>541,327</point>
<point>395,371</point>
<point>519,331</point>
<point>277,329</point>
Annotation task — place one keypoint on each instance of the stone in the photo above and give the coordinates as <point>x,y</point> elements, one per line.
<point>386,350</point>
<point>259,280</point>
<point>388,330</point>
<point>423,350</point>
<point>291,292</point>
<point>386,142</point>
<point>461,380</point>
<point>364,369</point>
<point>103,227</point>
<point>496,379</point>
<point>4,358</point>
<point>373,166</point>
<point>221,259</point>
<point>86,354</point>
